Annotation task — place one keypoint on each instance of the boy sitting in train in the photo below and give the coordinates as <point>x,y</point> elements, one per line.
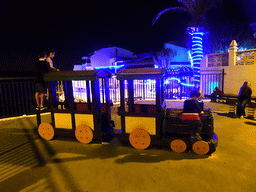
<point>191,111</point>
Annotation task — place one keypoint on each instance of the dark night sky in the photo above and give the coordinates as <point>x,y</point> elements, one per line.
<point>77,28</point>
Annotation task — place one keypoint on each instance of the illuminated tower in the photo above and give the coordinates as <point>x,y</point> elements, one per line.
<point>197,37</point>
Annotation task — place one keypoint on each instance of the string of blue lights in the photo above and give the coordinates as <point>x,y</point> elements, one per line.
<point>197,52</point>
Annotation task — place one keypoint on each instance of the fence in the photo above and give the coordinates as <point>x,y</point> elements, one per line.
<point>241,67</point>
<point>144,89</point>
<point>175,87</point>
<point>217,59</point>
<point>17,96</point>
<point>247,57</point>
<point>211,79</point>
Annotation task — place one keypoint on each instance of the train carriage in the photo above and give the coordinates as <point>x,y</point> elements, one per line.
<point>143,120</point>
<point>87,119</point>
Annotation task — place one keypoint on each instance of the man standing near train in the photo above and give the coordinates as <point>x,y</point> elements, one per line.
<point>41,68</point>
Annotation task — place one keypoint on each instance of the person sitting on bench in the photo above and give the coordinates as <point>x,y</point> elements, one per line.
<point>216,93</point>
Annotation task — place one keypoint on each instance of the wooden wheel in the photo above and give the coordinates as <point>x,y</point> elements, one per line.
<point>178,146</point>
<point>46,131</point>
<point>140,138</point>
<point>201,147</point>
<point>84,134</point>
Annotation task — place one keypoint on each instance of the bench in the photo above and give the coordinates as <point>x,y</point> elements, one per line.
<point>251,108</point>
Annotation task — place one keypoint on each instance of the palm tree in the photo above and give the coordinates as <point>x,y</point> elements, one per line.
<point>163,58</point>
<point>196,27</point>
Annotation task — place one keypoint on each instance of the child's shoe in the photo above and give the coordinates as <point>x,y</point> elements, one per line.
<point>198,137</point>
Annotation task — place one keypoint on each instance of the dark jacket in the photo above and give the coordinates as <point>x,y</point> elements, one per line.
<point>191,106</point>
<point>245,93</point>
<point>41,68</point>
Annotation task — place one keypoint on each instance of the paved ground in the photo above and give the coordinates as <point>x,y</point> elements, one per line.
<point>31,164</point>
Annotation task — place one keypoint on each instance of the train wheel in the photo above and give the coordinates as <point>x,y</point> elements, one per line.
<point>46,131</point>
<point>201,147</point>
<point>84,134</point>
<point>178,146</point>
<point>140,138</point>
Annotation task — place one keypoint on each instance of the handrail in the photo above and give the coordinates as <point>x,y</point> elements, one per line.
<point>15,78</point>
<point>17,96</point>
<point>228,96</point>
<point>248,50</point>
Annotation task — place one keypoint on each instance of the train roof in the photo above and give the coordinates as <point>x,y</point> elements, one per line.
<point>76,75</point>
<point>142,73</point>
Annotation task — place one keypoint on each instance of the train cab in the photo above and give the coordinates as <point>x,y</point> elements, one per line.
<point>86,118</point>
<point>146,121</point>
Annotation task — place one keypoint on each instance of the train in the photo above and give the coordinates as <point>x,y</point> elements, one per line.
<point>142,123</point>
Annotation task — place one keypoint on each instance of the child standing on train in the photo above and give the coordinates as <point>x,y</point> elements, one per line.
<point>191,111</point>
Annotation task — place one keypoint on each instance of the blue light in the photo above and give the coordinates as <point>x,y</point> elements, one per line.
<point>212,86</point>
<point>198,55</point>
<point>109,67</point>
<point>197,52</point>
<point>198,33</point>
<point>177,79</point>
<point>187,85</point>
<point>197,45</point>
<point>174,78</point>
<point>197,49</point>
<point>197,59</point>
<point>197,38</point>
<point>197,42</point>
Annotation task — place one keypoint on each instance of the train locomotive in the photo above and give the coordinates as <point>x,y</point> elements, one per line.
<point>142,122</point>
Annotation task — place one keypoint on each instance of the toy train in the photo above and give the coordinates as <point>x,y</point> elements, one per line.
<point>141,124</point>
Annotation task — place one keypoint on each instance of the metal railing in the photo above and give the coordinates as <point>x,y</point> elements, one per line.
<point>174,88</point>
<point>17,96</point>
<point>217,59</point>
<point>212,79</point>
<point>247,57</point>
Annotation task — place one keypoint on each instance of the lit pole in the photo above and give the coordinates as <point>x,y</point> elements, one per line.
<point>197,37</point>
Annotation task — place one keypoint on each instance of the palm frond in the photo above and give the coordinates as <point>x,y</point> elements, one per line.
<point>179,9</point>
<point>196,8</point>
<point>189,5</point>
<point>205,5</point>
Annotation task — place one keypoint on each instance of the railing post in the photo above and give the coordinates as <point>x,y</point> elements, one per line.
<point>222,81</point>
<point>232,53</point>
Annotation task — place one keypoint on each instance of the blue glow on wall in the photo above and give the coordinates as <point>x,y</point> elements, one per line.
<point>212,86</point>
<point>109,67</point>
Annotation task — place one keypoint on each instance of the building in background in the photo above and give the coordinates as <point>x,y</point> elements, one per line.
<point>179,79</point>
<point>228,71</point>
<point>115,58</point>
<point>111,58</point>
